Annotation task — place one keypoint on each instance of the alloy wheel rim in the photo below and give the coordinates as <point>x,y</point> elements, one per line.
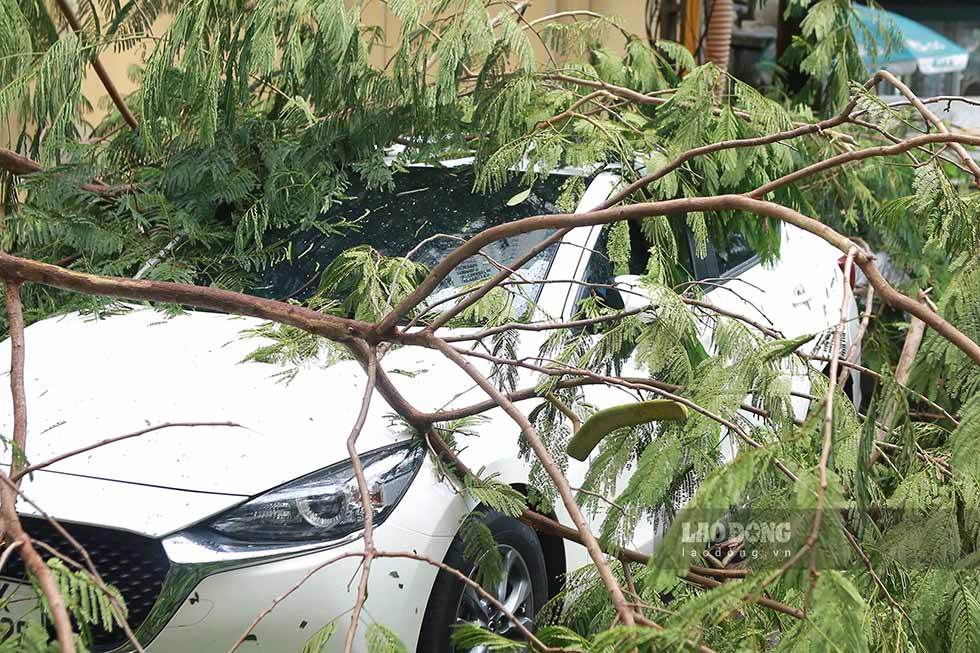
<point>514,591</point>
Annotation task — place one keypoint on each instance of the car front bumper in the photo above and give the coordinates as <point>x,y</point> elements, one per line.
<point>210,590</point>
<point>216,610</point>
<point>210,598</point>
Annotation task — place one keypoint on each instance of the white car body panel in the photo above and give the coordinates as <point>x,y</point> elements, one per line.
<point>88,380</point>
<point>572,255</point>
<point>226,603</point>
<point>144,509</point>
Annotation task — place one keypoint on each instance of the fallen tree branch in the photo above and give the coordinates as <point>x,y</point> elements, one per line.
<point>13,531</point>
<point>931,118</point>
<point>15,316</point>
<point>335,328</point>
<point>18,164</point>
<point>110,87</point>
<point>913,339</point>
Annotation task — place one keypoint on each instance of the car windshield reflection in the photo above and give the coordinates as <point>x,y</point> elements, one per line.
<point>437,208</point>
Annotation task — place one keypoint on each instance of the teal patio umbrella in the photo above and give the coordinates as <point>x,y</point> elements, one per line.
<point>918,48</point>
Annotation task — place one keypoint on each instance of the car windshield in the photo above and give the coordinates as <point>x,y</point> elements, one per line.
<point>425,203</point>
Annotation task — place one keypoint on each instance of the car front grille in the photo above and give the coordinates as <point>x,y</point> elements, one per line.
<point>133,564</point>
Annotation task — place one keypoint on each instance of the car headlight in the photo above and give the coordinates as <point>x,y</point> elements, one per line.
<point>325,505</point>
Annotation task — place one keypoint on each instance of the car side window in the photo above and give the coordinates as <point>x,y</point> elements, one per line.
<point>732,251</point>
<point>600,269</point>
<point>726,253</point>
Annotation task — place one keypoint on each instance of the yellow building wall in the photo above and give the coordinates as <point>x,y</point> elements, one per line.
<point>117,64</point>
<point>632,13</point>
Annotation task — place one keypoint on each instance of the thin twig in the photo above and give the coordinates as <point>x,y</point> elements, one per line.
<point>95,445</point>
<point>362,488</point>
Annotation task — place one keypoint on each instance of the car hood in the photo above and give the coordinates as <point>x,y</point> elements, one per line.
<point>91,379</point>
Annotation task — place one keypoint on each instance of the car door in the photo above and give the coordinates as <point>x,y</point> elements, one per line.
<point>799,293</point>
<point>731,276</point>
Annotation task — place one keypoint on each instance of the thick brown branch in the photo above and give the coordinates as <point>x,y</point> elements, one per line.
<point>715,203</point>
<point>828,417</point>
<point>561,484</point>
<point>335,328</point>
<point>15,316</point>
<point>913,339</point>
<point>13,531</point>
<point>18,164</point>
<point>859,155</point>
<point>934,120</point>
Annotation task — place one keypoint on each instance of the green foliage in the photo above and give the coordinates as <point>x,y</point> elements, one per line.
<point>503,345</point>
<point>722,490</point>
<point>381,639</point>
<point>290,348</point>
<point>618,247</point>
<point>939,359</point>
<point>368,282</point>
<point>256,120</point>
<point>965,618</point>
<point>468,637</point>
<point>652,490</point>
<point>85,600</point>
<point>87,603</point>
<point>828,51</point>
<point>34,638</point>
<point>839,621</point>
<point>494,494</point>
<point>481,547</point>
<point>318,640</point>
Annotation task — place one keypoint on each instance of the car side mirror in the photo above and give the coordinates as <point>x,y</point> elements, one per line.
<point>611,297</point>
<point>631,290</point>
<point>635,295</point>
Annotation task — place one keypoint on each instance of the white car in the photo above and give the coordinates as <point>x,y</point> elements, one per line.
<point>202,527</point>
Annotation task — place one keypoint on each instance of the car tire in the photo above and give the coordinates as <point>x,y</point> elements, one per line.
<point>446,599</point>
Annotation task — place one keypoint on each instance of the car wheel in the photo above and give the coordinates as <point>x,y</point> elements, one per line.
<point>523,588</point>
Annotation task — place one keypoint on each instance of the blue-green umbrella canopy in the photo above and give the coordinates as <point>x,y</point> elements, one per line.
<point>918,48</point>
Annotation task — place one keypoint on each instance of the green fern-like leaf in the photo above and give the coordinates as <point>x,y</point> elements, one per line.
<point>381,639</point>
<point>318,641</point>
